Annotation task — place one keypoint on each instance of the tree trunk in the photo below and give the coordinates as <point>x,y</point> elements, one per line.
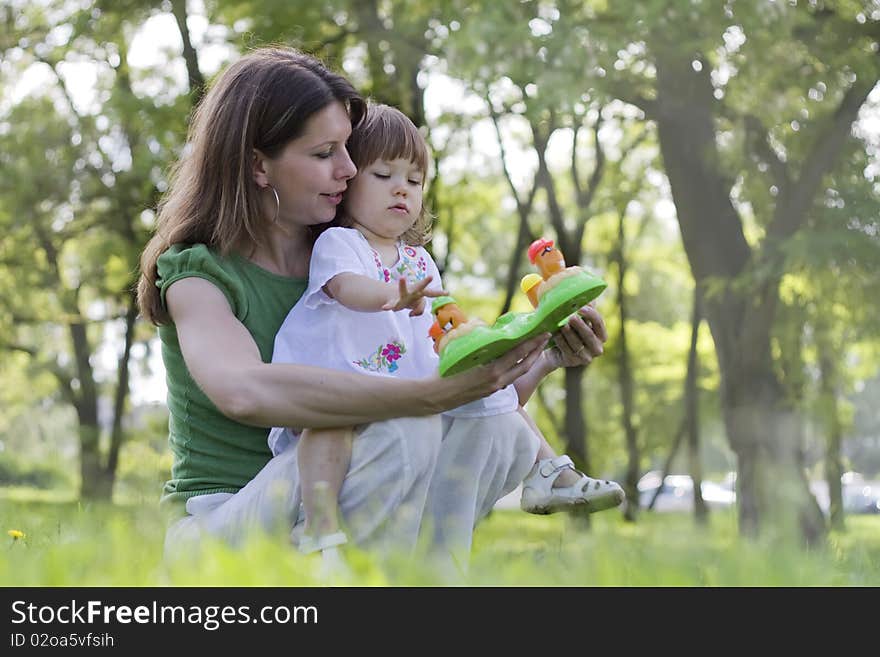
<point>92,474</point>
<point>625,378</point>
<point>575,436</point>
<point>90,469</point>
<point>576,445</point>
<point>667,464</point>
<point>690,424</point>
<point>196,79</point>
<point>523,238</point>
<point>117,434</point>
<point>771,486</point>
<point>831,419</point>
<point>692,413</point>
<point>367,14</point>
<point>523,209</point>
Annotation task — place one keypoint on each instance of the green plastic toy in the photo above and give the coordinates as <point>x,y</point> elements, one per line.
<point>561,292</point>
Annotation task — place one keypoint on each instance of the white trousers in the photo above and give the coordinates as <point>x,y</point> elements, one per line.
<point>481,460</point>
<point>408,476</point>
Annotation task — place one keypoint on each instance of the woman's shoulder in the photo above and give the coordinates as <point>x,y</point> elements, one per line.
<point>181,261</point>
<point>188,257</point>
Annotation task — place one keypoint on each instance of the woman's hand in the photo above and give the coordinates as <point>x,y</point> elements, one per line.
<point>576,345</point>
<point>482,381</point>
<point>579,341</point>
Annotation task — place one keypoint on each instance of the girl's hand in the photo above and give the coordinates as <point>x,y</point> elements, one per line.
<point>579,341</point>
<point>413,299</point>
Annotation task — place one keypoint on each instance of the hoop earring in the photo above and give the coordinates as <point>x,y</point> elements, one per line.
<point>277,204</point>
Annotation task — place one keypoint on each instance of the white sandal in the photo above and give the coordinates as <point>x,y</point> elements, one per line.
<point>309,544</point>
<point>333,564</point>
<point>539,496</point>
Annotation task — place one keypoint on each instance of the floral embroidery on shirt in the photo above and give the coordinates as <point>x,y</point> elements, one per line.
<point>384,359</point>
<point>412,266</point>
<point>383,274</point>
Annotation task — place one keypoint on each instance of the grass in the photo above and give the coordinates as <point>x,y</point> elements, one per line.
<point>68,544</point>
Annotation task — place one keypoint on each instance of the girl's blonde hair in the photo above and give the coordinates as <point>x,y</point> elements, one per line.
<point>386,133</point>
<point>262,101</point>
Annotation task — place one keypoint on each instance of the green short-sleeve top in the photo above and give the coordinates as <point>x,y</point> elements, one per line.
<point>211,453</point>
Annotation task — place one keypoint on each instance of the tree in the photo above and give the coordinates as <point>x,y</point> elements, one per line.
<point>828,296</point>
<point>725,117</point>
<point>73,238</point>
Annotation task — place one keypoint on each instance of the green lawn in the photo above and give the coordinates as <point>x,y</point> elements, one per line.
<point>67,544</point>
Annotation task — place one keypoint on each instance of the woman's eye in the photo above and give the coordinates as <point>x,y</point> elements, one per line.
<point>383,176</point>
<point>415,182</point>
<point>325,154</point>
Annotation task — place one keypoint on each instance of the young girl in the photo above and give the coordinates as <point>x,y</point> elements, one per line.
<point>365,310</point>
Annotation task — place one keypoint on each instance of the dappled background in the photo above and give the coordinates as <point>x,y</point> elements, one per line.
<point>715,162</point>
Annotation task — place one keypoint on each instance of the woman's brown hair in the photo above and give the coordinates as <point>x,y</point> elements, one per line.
<point>262,101</point>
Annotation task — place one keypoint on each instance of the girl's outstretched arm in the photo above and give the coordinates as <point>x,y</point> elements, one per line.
<point>358,292</point>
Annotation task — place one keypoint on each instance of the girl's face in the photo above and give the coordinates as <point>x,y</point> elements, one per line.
<point>385,198</point>
<point>311,172</point>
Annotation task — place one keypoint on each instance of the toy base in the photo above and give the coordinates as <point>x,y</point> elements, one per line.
<point>486,343</point>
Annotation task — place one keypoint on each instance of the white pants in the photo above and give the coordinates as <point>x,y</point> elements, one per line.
<point>481,460</point>
<point>407,475</point>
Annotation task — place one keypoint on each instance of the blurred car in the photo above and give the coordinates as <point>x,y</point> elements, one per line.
<point>859,494</point>
<point>862,499</point>
<point>677,492</point>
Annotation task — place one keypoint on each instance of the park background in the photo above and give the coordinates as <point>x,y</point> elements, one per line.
<point>716,162</point>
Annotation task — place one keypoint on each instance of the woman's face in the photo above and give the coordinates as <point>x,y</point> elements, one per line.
<point>311,172</point>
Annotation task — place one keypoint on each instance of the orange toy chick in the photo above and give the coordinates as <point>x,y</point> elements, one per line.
<point>546,257</point>
<point>451,322</point>
<point>448,312</point>
<point>436,333</point>
<point>551,263</point>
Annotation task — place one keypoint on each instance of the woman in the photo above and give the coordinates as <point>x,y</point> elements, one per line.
<point>267,163</point>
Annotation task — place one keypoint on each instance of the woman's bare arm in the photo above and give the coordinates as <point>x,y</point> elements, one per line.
<point>225,362</point>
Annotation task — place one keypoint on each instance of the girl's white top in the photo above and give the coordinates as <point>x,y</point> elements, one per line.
<point>322,332</point>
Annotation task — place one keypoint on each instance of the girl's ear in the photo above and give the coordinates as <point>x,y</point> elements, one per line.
<point>260,170</point>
